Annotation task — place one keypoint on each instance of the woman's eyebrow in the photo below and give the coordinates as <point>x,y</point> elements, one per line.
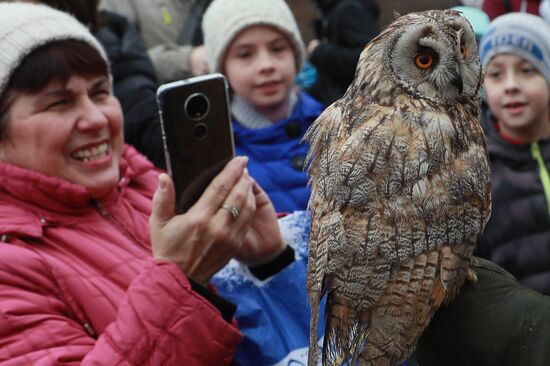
<point>100,83</point>
<point>56,93</point>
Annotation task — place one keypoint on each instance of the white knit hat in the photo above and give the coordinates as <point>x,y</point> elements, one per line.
<point>224,19</point>
<point>544,10</point>
<point>25,27</point>
<point>522,34</point>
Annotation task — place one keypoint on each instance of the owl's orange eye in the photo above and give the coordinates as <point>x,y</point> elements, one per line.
<point>424,60</point>
<point>464,50</point>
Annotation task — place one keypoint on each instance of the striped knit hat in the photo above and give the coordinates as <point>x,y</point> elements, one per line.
<point>521,34</point>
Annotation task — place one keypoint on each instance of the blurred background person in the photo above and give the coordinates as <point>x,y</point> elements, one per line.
<point>517,127</point>
<point>544,10</point>
<point>171,32</point>
<point>470,3</point>
<point>495,8</point>
<point>256,44</point>
<point>343,31</point>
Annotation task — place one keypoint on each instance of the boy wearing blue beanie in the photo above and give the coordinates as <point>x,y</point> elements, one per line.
<point>515,54</point>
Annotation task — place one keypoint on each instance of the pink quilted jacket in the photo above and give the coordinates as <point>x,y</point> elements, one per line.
<point>78,284</point>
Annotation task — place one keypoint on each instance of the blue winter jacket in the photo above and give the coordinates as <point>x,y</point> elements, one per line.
<point>273,314</point>
<point>277,155</point>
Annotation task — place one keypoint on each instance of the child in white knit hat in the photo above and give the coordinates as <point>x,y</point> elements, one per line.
<point>515,53</point>
<point>257,45</point>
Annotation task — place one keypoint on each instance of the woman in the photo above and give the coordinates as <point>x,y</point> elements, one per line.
<point>134,77</point>
<point>83,277</point>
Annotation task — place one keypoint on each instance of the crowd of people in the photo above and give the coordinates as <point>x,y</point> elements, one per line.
<point>97,268</point>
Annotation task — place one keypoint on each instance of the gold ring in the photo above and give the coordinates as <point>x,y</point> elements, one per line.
<point>232,210</point>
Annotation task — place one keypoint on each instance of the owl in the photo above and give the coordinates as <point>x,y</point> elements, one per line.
<point>400,190</point>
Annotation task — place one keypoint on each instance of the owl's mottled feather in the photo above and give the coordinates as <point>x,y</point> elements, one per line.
<point>400,190</point>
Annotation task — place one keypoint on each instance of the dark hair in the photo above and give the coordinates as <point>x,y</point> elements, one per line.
<point>54,61</point>
<point>83,10</point>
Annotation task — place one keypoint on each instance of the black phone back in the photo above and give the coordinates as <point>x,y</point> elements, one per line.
<point>197,133</point>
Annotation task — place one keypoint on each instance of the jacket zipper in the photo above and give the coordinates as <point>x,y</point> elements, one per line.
<point>120,227</point>
<point>543,172</point>
<point>86,324</point>
<point>108,216</point>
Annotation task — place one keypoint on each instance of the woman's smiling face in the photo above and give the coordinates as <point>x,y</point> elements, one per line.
<point>71,131</point>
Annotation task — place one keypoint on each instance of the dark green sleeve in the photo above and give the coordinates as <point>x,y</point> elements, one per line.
<point>496,321</point>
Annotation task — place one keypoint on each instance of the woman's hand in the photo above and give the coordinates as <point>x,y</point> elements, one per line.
<point>263,241</point>
<point>312,45</point>
<point>197,60</point>
<point>206,237</point>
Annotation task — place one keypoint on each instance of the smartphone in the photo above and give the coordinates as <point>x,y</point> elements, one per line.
<point>196,132</point>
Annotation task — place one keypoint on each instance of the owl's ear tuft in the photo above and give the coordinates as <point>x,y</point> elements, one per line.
<point>396,15</point>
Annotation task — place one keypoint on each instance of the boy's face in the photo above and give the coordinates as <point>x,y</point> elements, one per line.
<point>519,97</point>
<point>260,67</point>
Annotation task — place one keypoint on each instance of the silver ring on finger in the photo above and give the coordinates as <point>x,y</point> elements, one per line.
<point>232,210</point>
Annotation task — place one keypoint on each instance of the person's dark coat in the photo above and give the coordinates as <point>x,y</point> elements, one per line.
<point>494,322</point>
<point>346,28</point>
<point>135,85</point>
<point>517,236</point>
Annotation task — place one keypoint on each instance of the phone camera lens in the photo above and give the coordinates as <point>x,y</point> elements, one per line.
<point>197,106</point>
<point>200,131</point>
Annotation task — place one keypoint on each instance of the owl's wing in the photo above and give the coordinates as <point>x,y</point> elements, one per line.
<point>341,169</point>
<point>321,135</point>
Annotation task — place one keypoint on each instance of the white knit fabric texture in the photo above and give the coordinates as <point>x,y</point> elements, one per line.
<point>544,10</point>
<point>246,115</point>
<point>224,19</point>
<point>25,27</point>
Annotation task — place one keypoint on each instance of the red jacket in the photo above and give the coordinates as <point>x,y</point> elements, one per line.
<point>494,8</point>
<point>78,283</point>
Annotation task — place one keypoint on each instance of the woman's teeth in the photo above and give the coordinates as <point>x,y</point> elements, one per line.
<point>93,153</point>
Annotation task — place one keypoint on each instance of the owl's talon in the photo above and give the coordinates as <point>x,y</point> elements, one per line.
<point>471,275</point>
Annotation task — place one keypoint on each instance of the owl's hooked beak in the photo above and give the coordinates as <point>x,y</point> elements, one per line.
<point>456,81</point>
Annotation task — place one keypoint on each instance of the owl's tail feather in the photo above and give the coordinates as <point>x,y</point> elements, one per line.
<point>456,264</point>
<point>313,347</point>
<point>403,310</point>
<point>346,331</point>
